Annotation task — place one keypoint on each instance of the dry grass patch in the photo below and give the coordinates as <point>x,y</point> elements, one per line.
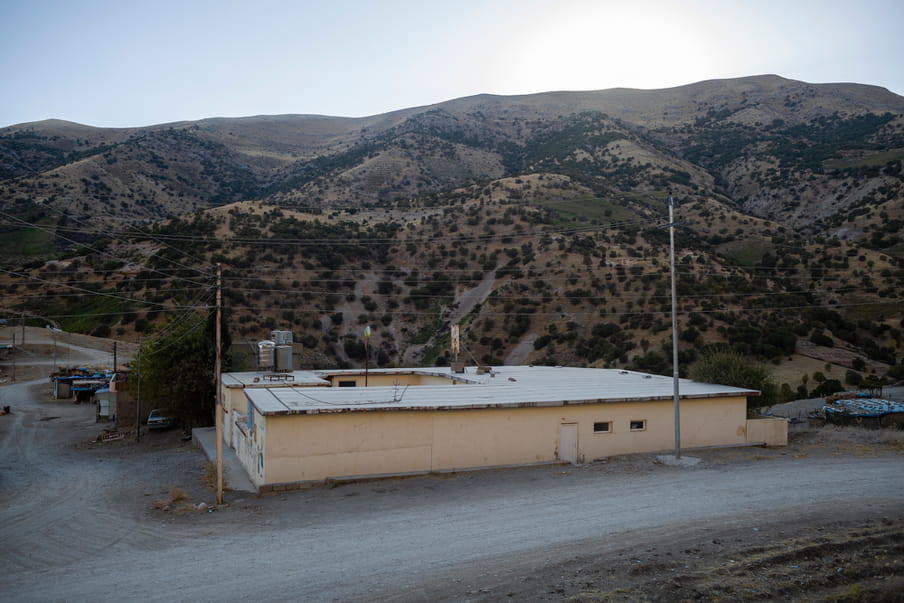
<point>856,439</point>
<point>178,495</point>
<point>178,502</point>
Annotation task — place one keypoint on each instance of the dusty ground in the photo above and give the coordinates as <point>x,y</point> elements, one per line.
<point>842,557</point>
<point>818,520</point>
<point>837,561</point>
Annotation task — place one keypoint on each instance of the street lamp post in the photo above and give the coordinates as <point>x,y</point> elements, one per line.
<point>674,327</point>
<point>366,352</point>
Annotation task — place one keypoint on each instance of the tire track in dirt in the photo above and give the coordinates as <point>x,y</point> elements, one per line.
<point>56,506</point>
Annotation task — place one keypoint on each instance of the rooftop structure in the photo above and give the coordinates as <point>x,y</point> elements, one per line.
<point>432,389</point>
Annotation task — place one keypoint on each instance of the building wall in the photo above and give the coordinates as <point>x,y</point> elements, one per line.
<point>773,431</point>
<point>106,406</point>
<point>125,410</point>
<point>300,448</point>
<point>234,397</point>
<point>314,447</point>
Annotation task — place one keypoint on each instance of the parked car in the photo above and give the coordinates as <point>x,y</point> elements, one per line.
<point>157,420</point>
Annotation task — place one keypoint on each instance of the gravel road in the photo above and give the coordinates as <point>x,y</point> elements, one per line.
<point>78,520</point>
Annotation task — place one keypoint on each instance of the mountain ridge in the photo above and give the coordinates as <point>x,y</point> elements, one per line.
<point>423,150</point>
<point>588,100</point>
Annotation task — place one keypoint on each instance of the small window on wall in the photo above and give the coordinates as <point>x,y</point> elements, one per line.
<point>638,425</point>
<point>348,383</point>
<point>602,427</point>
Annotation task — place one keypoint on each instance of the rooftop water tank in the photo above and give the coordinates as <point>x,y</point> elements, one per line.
<point>266,355</point>
<point>281,337</point>
<point>284,358</point>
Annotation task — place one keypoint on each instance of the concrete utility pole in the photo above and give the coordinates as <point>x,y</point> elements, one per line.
<point>138,397</point>
<point>674,327</point>
<point>219,393</point>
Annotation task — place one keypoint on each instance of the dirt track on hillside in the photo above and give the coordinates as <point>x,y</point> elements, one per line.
<point>45,350</point>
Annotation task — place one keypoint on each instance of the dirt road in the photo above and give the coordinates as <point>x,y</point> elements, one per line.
<point>45,350</point>
<point>81,521</point>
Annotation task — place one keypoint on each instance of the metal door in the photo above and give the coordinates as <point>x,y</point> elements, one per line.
<point>568,443</point>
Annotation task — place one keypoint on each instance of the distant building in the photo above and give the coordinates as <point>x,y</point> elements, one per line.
<point>117,404</point>
<point>293,428</point>
<point>108,391</point>
<point>79,384</point>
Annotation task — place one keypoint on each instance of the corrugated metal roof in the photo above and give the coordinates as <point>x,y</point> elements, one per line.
<point>506,386</point>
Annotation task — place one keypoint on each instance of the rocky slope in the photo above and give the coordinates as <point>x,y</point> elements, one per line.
<point>533,221</point>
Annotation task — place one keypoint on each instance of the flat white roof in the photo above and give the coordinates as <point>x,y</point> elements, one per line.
<point>502,387</point>
<point>290,379</point>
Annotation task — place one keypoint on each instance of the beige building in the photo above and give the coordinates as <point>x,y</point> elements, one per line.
<point>289,429</point>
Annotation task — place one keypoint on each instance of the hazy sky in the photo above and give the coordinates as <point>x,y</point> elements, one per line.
<point>138,62</point>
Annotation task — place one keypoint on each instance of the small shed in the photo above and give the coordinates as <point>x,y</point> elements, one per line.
<point>106,405</point>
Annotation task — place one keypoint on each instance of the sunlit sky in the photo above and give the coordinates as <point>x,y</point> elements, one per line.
<point>139,62</point>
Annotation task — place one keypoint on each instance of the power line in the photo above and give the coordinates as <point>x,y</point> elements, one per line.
<point>343,240</point>
<point>578,312</point>
<point>550,298</point>
<point>749,273</point>
<point>88,291</point>
<point>81,294</point>
<point>105,233</point>
<point>55,233</point>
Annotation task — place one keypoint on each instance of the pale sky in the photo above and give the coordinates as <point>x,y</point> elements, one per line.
<point>139,62</point>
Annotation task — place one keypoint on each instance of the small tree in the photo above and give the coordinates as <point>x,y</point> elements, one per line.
<point>853,378</point>
<point>178,367</point>
<point>730,368</point>
<point>827,387</point>
<point>874,385</point>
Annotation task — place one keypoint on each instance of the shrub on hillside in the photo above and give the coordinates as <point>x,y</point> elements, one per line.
<point>822,339</point>
<point>730,368</point>
<point>853,378</point>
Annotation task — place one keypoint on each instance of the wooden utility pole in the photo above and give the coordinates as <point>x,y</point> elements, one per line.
<point>219,392</point>
<point>138,397</point>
